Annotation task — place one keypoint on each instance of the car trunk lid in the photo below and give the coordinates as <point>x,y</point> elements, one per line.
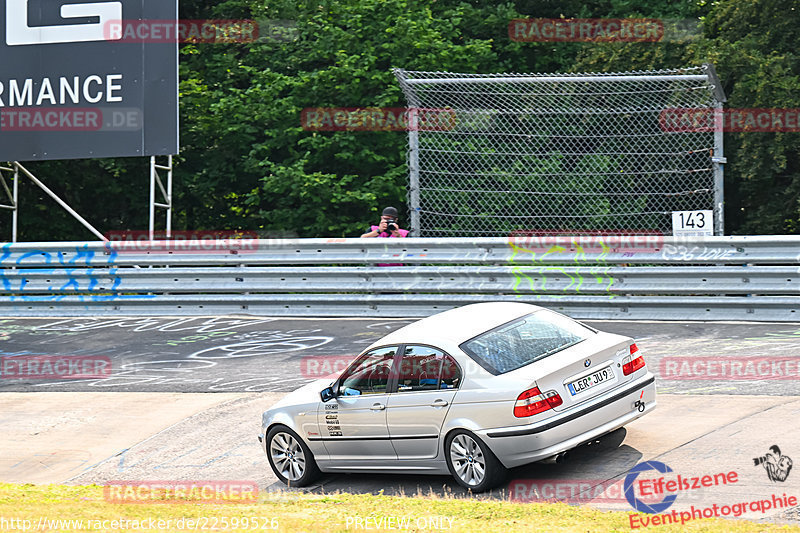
<point>581,372</point>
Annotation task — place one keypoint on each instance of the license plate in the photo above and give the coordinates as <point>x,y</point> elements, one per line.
<point>601,376</point>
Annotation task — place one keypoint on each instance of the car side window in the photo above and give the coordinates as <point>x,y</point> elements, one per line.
<point>369,374</point>
<point>451,374</point>
<point>423,368</point>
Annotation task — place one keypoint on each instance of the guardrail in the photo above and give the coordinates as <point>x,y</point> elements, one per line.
<point>590,277</point>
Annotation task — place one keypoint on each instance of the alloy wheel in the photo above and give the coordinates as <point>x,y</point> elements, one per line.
<point>468,460</point>
<point>287,456</point>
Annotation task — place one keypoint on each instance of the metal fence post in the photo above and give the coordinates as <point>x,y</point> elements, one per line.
<point>15,213</point>
<point>718,160</point>
<point>152,203</point>
<point>413,182</point>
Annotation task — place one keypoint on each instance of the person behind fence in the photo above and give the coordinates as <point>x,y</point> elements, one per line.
<point>388,226</point>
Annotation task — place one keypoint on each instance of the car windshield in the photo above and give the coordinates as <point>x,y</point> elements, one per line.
<point>525,340</point>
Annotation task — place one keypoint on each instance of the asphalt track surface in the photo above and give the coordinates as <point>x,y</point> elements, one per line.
<point>187,394</point>
<point>241,354</point>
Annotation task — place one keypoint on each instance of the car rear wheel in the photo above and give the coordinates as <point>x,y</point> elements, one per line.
<point>472,463</point>
<point>290,457</point>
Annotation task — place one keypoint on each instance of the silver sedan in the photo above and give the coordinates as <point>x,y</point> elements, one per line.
<point>471,392</point>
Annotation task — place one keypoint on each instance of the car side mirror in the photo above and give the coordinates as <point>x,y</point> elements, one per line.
<point>327,394</point>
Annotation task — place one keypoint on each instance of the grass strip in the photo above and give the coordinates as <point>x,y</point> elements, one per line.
<point>41,507</point>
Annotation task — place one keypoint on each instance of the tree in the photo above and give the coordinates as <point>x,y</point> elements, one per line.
<point>264,169</point>
<point>752,43</point>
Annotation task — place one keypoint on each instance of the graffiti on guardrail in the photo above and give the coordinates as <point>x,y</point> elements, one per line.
<point>547,247</point>
<point>536,266</point>
<point>533,278</point>
<point>79,255</point>
<point>68,280</point>
<point>695,253</point>
<point>32,284</point>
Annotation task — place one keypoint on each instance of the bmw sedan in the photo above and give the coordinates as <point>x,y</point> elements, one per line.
<point>471,392</point>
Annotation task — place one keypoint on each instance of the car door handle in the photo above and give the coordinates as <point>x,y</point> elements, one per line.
<point>378,407</point>
<point>439,403</point>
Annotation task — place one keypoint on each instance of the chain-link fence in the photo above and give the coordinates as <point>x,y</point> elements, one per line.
<point>577,152</point>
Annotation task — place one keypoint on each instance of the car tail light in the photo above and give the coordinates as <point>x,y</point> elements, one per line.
<point>532,402</point>
<point>631,365</point>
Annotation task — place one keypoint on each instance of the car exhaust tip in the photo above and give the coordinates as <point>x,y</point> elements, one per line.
<point>555,459</point>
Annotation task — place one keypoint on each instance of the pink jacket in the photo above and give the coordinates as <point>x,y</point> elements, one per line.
<point>402,232</point>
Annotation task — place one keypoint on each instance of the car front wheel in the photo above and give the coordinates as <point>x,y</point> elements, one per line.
<point>290,457</point>
<point>472,463</point>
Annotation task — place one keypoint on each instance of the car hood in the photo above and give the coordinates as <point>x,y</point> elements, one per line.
<point>306,394</point>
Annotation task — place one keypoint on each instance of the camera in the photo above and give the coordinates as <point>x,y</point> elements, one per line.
<point>391,224</point>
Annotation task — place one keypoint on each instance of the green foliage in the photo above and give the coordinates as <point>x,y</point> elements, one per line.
<point>247,163</point>
<point>279,177</point>
<point>752,43</point>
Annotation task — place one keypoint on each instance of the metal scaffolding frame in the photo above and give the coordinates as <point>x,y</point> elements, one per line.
<point>11,196</point>
<point>16,169</point>
<point>166,195</point>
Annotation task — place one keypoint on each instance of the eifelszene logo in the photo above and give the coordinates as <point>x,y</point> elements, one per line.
<point>19,31</point>
<point>630,495</point>
<point>670,487</point>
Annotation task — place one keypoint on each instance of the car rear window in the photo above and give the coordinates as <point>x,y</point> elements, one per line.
<point>525,340</point>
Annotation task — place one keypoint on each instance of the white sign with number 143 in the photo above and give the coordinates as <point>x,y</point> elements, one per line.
<point>692,223</point>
